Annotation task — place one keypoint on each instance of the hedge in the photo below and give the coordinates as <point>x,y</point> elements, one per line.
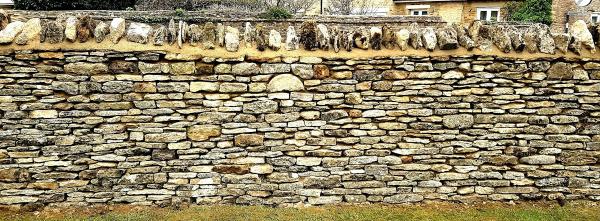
<point>74,4</point>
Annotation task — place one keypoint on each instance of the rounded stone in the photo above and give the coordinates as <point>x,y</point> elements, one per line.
<point>285,82</point>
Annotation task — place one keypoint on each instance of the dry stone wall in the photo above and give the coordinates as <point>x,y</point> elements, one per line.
<point>80,127</point>
<point>88,127</point>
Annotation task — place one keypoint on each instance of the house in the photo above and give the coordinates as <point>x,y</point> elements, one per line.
<point>565,12</point>
<point>453,11</point>
<point>6,3</point>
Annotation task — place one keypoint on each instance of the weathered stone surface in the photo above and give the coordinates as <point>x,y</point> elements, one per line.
<point>415,36</point>
<point>403,198</point>
<point>31,30</point>
<point>447,38</point>
<point>245,140</point>
<point>581,37</point>
<point>538,159</point>
<point>4,19</point>
<point>203,132</point>
<point>43,114</point>
<point>560,71</point>
<point>429,39</point>
<point>204,87</point>
<point>117,30</point>
<point>376,36</point>
<point>248,35</point>
<point>52,32</point>
<point>547,44</point>
<point>101,31</point>
<point>308,35</point>
<point>139,33</point>
<point>71,28</point>
<point>8,34</point>
<point>362,39</point>
<point>292,41</point>
<point>85,28</point>
<point>183,68</point>
<point>83,68</point>
<point>402,38</point>
<point>14,175</point>
<point>323,37</point>
<point>501,38</point>
<point>274,40</point>
<point>285,82</point>
<point>260,107</point>
<point>459,121</point>
<point>245,69</point>
<point>232,39</point>
<point>562,41</point>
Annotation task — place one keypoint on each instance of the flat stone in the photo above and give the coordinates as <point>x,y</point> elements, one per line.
<point>180,68</point>
<point>403,198</point>
<point>83,68</point>
<point>204,86</point>
<point>48,114</point>
<point>459,121</point>
<point>261,169</point>
<point>169,137</point>
<point>245,140</point>
<point>539,160</point>
<point>261,107</point>
<point>203,132</point>
<point>285,82</point>
<point>245,69</point>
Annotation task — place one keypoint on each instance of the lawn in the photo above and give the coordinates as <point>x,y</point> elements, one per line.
<point>429,212</point>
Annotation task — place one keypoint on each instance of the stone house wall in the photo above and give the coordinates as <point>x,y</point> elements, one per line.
<point>565,12</point>
<point>460,12</point>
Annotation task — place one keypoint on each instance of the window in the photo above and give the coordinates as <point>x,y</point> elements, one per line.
<point>595,17</point>
<point>418,12</point>
<point>488,14</point>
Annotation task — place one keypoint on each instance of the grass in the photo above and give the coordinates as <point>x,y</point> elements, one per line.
<point>428,212</point>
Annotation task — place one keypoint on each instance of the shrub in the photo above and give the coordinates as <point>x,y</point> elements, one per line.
<point>74,4</point>
<point>539,11</point>
<point>179,12</point>
<point>276,13</point>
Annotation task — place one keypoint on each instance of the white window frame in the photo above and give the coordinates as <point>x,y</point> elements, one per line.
<point>595,15</point>
<point>488,13</point>
<point>419,12</point>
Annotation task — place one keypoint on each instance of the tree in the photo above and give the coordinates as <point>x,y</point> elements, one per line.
<point>293,6</point>
<point>538,11</point>
<point>351,7</point>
